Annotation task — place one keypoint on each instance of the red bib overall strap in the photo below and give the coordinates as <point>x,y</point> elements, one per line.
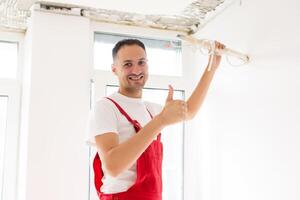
<point>135,123</point>
<point>148,185</point>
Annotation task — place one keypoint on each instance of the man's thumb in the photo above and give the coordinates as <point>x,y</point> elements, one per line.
<point>170,94</point>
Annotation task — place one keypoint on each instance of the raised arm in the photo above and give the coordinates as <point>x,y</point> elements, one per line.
<point>197,97</point>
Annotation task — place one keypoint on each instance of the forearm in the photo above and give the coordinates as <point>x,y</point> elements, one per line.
<point>197,97</point>
<point>126,154</point>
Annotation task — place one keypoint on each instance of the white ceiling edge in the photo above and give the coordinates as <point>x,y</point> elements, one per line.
<point>146,7</point>
<point>11,17</point>
<point>24,4</point>
<point>187,21</point>
<point>192,17</point>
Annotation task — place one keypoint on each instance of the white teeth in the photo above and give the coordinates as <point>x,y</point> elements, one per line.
<point>136,77</point>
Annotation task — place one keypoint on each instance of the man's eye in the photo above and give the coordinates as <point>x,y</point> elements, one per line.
<point>142,62</point>
<point>127,64</point>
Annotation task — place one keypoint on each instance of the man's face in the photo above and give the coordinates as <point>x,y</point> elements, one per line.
<point>130,65</point>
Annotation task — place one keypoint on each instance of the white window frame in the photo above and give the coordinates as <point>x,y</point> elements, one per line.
<point>158,65</point>
<point>154,81</point>
<point>12,89</point>
<point>102,78</point>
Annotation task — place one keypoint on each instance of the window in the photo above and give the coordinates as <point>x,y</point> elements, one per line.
<point>9,119</point>
<point>8,61</point>
<point>164,56</point>
<point>3,117</point>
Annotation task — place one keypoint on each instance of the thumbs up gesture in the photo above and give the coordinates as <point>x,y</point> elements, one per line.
<point>174,111</point>
<point>170,94</point>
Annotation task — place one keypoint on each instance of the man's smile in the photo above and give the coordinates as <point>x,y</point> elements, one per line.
<point>136,77</point>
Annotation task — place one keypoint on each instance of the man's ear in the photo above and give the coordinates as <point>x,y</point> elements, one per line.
<point>114,69</point>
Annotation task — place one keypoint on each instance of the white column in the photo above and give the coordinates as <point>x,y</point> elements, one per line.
<point>55,107</point>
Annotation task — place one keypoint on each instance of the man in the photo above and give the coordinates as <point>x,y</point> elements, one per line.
<point>126,129</point>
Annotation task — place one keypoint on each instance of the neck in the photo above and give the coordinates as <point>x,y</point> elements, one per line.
<point>132,94</point>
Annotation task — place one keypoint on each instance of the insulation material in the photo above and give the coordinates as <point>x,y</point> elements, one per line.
<point>11,17</point>
<point>189,20</point>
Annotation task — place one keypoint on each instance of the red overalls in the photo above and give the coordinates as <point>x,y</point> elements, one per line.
<point>148,185</point>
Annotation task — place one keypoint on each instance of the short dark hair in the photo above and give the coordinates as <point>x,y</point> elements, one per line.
<point>125,42</point>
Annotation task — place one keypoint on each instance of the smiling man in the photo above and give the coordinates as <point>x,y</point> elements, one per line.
<point>126,130</point>
<point>130,66</point>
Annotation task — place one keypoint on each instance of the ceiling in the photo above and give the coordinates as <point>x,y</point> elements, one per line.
<point>183,15</point>
<point>134,6</point>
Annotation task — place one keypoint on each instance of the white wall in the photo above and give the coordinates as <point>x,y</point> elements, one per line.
<point>250,122</point>
<point>244,142</point>
<point>56,103</point>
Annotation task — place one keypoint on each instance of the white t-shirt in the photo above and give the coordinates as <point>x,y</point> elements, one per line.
<point>105,117</point>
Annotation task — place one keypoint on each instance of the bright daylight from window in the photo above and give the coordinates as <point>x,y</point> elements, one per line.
<point>8,61</point>
<point>3,110</point>
<point>164,57</point>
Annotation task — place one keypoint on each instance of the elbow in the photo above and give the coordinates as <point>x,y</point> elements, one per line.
<point>190,116</point>
<point>112,173</point>
<point>112,169</point>
<point>190,112</point>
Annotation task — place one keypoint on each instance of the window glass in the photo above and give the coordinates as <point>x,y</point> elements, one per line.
<point>3,119</point>
<point>164,57</point>
<point>8,59</point>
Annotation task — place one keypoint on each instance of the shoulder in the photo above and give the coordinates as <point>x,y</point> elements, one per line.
<point>103,105</point>
<point>103,102</point>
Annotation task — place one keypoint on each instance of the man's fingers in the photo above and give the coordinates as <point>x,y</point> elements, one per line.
<point>219,45</point>
<point>170,94</point>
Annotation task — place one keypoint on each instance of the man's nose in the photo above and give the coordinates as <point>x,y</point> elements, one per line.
<point>136,69</point>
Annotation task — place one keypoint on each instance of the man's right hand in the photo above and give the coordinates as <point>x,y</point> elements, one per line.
<point>174,111</point>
